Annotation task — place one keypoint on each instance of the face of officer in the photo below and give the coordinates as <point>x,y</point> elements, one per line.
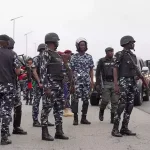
<point>53,45</point>
<point>68,55</point>
<point>30,62</point>
<point>130,46</point>
<point>3,44</point>
<point>110,54</point>
<point>82,46</point>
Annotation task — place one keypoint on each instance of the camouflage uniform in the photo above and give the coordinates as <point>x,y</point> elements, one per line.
<point>81,65</point>
<point>37,95</point>
<point>56,101</point>
<point>7,91</point>
<point>7,96</point>
<point>126,70</point>
<point>51,75</point>
<point>128,87</point>
<point>24,89</point>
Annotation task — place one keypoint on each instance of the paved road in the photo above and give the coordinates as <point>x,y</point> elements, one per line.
<point>145,107</point>
<point>96,136</point>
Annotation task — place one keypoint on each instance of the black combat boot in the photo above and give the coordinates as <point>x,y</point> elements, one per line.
<point>36,123</point>
<point>84,113</point>
<point>17,121</point>
<point>75,121</point>
<point>60,134</point>
<point>74,107</point>
<point>4,139</point>
<point>19,130</point>
<point>84,120</point>
<point>101,115</point>
<point>115,132</point>
<point>112,118</point>
<point>50,124</point>
<point>45,135</point>
<point>125,131</point>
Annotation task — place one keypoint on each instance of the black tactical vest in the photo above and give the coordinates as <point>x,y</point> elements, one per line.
<point>108,65</point>
<point>7,73</point>
<point>126,68</point>
<point>55,67</point>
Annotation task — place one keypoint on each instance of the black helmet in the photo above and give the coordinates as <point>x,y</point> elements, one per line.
<point>126,39</point>
<point>80,40</point>
<point>51,37</point>
<point>109,49</point>
<point>41,47</point>
<point>11,43</point>
<point>4,38</point>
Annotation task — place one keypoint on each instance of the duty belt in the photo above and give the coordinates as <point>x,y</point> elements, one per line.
<point>109,80</point>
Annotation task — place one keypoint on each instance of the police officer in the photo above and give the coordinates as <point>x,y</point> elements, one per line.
<point>38,87</point>
<point>52,80</point>
<point>82,67</point>
<point>124,80</point>
<point>9,66</point>
<point>104,72</point>
<point>17,103</point>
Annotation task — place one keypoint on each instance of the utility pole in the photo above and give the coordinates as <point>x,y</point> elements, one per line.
<point>27,41</point>
<point>14,19</point>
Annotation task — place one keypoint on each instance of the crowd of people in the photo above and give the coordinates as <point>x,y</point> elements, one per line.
<point>55,76</point>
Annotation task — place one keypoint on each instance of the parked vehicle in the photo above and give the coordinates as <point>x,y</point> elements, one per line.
<point>143,93</point>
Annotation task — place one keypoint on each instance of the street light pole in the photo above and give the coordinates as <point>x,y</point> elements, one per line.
<point>14,25</point>
<point>27,41</point>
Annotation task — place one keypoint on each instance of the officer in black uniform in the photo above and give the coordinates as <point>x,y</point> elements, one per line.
<point>9,67</point>
<point>52,75</point>
<point>17,103</point>
<point>125,84</point>
<point>104,72</point>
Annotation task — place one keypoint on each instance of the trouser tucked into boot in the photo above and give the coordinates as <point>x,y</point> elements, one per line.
<point>75,122</point>
<point>84,112</point>
<point>125,131</point>
<point>45,134</point>
<point>59,133</point>
<point>17,121</point>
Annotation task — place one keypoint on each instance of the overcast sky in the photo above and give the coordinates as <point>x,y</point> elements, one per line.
<point>101,22</point>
